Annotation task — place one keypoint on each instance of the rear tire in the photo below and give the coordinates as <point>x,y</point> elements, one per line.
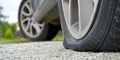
<point>48,31</point>
<point>104,33</point>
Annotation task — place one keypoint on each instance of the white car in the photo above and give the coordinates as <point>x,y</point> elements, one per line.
<point>88,25</point>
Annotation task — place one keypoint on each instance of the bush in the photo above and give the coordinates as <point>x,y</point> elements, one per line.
<point>9,34</point>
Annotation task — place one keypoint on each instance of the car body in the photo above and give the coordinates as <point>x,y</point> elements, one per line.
<point>88,25</point>
<point>46,9</point>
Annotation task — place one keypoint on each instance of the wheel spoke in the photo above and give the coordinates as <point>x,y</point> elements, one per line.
<point>27,10</point>
<point>79,15</point>
<point>37,28</point>
<point>40,25</point>
<point>25,14</point>
<point>75,15</point>
<point>25,20</point>
<point>67,10</point>
<point>31,29</point>
<point>28,25</point>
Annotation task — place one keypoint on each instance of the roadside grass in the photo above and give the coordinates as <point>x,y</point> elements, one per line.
<point>59,37</point>
<point>10,41</point>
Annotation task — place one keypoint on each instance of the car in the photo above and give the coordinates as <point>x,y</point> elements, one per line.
<point>87,25</point>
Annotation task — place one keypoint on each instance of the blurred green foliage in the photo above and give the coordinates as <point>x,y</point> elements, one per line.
<point>5,27</point>
<point>9,34</point>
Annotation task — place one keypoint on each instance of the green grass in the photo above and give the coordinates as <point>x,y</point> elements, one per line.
<point>59,37</point>
<point>23,40</point>
<point>10,41</point>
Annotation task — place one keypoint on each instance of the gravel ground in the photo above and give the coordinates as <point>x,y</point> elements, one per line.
<point>49,51</point>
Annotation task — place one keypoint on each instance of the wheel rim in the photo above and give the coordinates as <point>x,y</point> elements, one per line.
<point>79,15</point>
<point>29,25</point>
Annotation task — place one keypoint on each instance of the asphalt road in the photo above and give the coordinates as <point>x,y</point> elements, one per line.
<point>49,51</point>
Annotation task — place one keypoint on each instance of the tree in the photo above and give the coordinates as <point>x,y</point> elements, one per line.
<point>3,27</point>
<point>3,24</point>
<point>1,15</point>
<point>6,29</point>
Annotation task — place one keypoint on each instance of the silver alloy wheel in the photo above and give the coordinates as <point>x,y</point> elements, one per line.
<point>79,15</point>
<point>30,26</point>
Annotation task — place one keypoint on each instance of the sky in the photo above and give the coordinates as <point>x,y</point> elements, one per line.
<point>10,8</point>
